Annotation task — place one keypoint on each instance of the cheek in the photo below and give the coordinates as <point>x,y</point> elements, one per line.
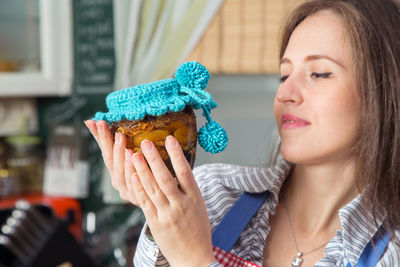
<point>339,117</point>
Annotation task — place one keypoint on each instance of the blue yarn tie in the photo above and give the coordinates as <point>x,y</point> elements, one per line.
<point>200,96</point>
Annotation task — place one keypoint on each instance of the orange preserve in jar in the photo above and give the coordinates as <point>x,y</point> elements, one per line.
<point>181,125</point>
<point>155,110</point>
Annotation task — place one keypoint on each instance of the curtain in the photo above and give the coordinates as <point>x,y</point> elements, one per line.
<point>153,37</point>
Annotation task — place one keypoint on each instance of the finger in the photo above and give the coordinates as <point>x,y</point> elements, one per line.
<point>118,174</point>
<point>128,166</point>
<point>135,186</point>
<point>165,180</point>
<point>129,170</point>
<point>182,169</point>
<point>106,143</point>
<point>91,125</point>
<point>148,181</point>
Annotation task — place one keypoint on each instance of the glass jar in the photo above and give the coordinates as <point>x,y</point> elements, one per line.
<point>181,125</point>
<point>9,186</point>
<point>25,162</point>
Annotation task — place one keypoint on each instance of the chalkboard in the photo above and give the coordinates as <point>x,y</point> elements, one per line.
<point>94,56</point>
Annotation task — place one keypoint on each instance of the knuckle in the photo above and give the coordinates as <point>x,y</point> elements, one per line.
<point>166,180</point>
<point>171,188</point>
<point>178,211</point>
<point>141,196</point>
<point>154,190</point>
<point>173,220</point>
<point>196,202</point>
<point>184,172</point>
<point>144,203</point>
<point>139,190</point>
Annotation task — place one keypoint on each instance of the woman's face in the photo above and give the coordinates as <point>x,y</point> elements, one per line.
<point>317,104</point>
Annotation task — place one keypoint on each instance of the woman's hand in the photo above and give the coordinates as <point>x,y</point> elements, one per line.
<point>116,157</point>
<point>174,208</point>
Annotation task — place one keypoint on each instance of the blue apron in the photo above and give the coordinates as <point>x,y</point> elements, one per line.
<point>232,225</point>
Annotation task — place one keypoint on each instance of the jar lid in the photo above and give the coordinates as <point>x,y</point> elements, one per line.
<point>159,97</point>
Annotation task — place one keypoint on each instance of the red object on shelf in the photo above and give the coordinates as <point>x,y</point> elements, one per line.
<point>60,206</point>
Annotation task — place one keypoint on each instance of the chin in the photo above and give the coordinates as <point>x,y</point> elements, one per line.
<point>291,154</point>
<point>298,154</point>
<point>293,159</point>
<point>308,155</point>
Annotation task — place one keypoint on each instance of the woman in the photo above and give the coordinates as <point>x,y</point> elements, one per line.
<point>338,185</point>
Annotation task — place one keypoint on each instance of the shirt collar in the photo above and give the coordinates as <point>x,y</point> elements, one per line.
<point>357,220</point>
<point>358,227</point>
<point>257,180</point>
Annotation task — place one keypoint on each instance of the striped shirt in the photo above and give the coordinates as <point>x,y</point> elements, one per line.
<point>222,184</point>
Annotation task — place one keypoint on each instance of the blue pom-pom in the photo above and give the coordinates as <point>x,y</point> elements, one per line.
<point>192,75</point>
<point>212,137</point>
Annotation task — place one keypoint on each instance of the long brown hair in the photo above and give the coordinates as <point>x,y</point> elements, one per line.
<point>373,27</point>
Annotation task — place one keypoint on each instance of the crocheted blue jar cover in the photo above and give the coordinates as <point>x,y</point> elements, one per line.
<point>157,98</point>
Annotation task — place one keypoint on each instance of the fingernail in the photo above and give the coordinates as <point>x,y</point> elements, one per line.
<point>171,141</point>
<point>146,145</point>
<point>137,158</point>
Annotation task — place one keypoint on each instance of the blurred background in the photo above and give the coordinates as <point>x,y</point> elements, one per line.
<point>58,61</point>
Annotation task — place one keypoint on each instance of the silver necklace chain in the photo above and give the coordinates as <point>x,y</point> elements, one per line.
<point>299,253</point>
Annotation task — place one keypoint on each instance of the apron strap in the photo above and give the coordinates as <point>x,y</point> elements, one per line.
<point>232,225</point>
<point>372,254</point>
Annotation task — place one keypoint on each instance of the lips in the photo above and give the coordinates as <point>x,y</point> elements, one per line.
<point>290,121</point>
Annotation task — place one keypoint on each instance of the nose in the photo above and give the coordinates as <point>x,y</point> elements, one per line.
<point>289,91</point>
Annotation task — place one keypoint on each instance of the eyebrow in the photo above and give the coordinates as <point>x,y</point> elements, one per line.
<point>316,57</point>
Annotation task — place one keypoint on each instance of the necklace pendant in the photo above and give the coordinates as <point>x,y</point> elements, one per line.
<point>297,260</point>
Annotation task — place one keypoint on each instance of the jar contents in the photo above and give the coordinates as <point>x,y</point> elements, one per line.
<point>181,125</point>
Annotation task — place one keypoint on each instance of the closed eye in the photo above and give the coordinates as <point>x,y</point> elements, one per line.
<point>283,78</point>
<point>321,75</point>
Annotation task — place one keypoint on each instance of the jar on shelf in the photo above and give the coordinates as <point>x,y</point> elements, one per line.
<point>9,186</point>
<point>25,162</point>
<point>156,110</point>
